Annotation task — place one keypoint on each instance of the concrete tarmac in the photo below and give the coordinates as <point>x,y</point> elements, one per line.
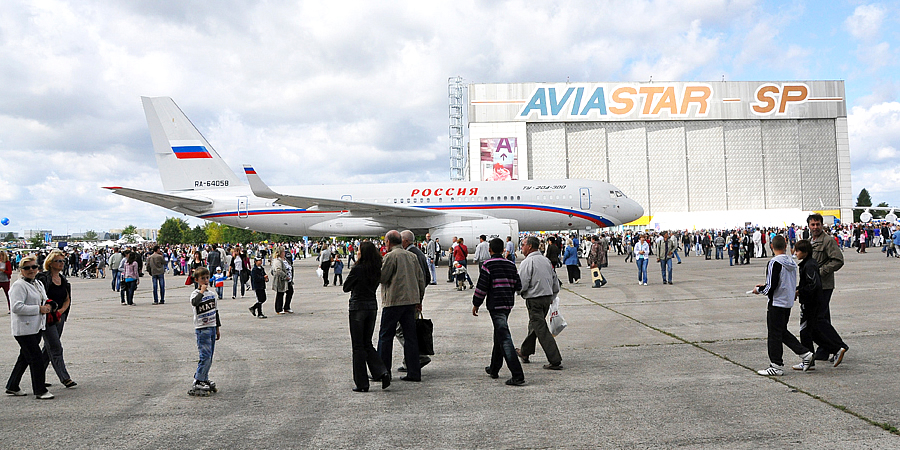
<point>653,366</point>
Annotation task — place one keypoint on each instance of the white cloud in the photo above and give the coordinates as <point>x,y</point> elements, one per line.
<point>874,133</point>
<point>318,92</point>
<point>865,23</point>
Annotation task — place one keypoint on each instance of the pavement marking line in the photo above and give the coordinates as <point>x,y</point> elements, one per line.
<point>883,425</point>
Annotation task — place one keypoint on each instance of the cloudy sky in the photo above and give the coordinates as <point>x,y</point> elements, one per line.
<point>334,92</point>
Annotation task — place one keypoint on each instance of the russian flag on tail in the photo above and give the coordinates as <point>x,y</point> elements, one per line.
<point>190,150</point>
<point>249,170</point>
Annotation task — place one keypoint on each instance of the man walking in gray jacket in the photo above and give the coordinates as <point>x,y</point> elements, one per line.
<point>539,285</point>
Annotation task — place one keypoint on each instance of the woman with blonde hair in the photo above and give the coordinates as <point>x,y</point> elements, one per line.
<point>59,293</point>
<point>282,274</point>
<point>28,311</point>
<point>5,274</point>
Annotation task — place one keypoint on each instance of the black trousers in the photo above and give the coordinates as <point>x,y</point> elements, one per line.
<point>574,273</point>
<point>824,315</point>
<point>777,321</point>
<point>283,299</point>
<point>814,329</point>
<point>326,265</point>
<point>362,328</point>
<point>30,357</point>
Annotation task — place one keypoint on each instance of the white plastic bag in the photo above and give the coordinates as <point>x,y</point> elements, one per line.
<point>555,320</point>
<point>320,272</point>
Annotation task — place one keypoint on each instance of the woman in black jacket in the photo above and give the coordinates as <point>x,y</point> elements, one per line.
<point>361,284</point>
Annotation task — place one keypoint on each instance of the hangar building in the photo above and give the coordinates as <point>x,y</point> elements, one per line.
<point>693,154</point>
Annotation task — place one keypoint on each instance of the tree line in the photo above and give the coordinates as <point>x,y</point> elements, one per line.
<point>177,231</point>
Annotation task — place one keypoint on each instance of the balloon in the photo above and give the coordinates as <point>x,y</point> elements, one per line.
<point>4,221</point>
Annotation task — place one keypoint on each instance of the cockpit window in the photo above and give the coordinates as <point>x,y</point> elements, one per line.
<point>619,194</point>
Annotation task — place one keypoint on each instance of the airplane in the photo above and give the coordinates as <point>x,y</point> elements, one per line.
<point>199,183</point>
<point>866,216</point>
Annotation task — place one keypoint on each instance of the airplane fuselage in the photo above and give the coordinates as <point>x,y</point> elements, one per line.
<point>536,205</point>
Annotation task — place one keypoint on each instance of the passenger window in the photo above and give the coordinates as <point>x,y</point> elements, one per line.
<point>504,197</point>
<point>395,200</point>
<point>428,200</point>
<point>440,200</point>
<point>518,197</point>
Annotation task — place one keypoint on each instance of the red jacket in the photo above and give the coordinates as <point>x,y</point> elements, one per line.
<point>460,252</point>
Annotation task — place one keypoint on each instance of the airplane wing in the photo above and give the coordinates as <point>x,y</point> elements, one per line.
<point>260,189</point>
<point>173,202</point>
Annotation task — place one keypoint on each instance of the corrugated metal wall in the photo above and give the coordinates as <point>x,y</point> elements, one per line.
<point>677,166</point>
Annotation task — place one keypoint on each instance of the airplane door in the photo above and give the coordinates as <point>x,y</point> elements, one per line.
<point>347,198</point>
<point>585,198</point>
<point>243,211</point>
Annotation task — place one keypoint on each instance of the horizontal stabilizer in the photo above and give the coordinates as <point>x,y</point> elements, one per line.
<point>260,189</point>
<point>173,202</point>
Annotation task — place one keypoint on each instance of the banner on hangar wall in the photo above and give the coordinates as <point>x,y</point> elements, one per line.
<point>499,159</point>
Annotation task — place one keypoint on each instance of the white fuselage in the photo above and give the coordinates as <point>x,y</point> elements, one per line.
<point>537,205</point>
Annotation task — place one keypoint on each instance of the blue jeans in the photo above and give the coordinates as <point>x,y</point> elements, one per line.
<point>663,265</point>
<point>53,350</point>
<point>504,347</point>
<point>161,281</point>
<point>719,252</point>
<point>432,270</point>
<point>206,345</point>
<point>642,269</point>
<point>676,255</point>
<point>115,279</point>
<point>236,278</point>
<point>406,316</point>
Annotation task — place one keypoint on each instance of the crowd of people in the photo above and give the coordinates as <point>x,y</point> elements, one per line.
<point>40,300</point>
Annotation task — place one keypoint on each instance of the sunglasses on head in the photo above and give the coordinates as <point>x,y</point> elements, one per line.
<point>30,267</point>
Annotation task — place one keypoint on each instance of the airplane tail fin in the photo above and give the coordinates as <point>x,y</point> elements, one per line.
<point>186,160</point>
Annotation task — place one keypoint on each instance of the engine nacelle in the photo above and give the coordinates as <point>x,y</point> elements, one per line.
<point>469,230</point>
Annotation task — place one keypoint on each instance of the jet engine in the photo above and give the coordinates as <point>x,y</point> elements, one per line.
<point>469,230</point>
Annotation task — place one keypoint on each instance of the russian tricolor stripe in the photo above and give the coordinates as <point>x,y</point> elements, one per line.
<point>191,152</point>
<point>249,171</point>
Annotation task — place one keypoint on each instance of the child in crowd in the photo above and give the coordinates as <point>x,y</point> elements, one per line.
<point>781,288</point>
<point>258,280</point>
<point>813,327</point>
<point>206,327</point>
<point>219,282</point>
<point>338,267</point>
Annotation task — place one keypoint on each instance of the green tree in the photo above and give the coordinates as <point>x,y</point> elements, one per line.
<point>173,231</point>
<point>235,235</point>
<point>863,200</point>
<point>129,232</point>
<point>10,237</point>
<point>880,214</point>
<point>90,235</point>
<point>214,233</point>
<point>36,242</point>
<point>197,236</point>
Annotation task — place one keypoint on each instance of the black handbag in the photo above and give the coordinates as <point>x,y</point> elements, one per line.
<point>425,335</point>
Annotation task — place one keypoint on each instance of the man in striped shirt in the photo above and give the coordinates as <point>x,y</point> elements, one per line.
<point>498,282</point>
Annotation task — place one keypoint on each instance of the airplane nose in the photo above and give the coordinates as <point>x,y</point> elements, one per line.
<point>633,209</point>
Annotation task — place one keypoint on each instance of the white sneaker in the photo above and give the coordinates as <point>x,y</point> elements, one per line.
<point>13,393</point>
<point>45,396</point>
<point>806,360</point>
<point>803,367</point>
<point>773,370</point>
<point>640,283</point>
<point>839,356</point>
<point>645,284</point>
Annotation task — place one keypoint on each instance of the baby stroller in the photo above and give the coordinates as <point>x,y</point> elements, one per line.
<point>461,274</point>
<point>89,270</point>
